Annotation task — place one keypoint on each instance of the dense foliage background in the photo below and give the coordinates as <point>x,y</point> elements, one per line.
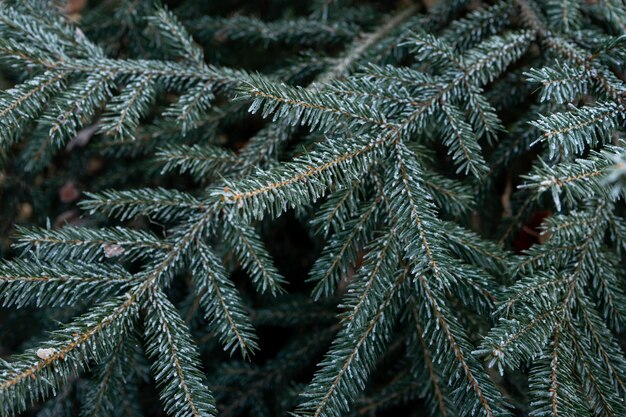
<point>331,208</point>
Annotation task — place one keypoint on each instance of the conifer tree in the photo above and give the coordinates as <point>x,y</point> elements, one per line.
<point>318,209</point>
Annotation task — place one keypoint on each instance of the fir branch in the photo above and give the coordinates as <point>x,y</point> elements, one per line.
<point>24,102</point>
<point>251,254</point>
<point>403,232</point>
<point>561,83</point>
<point>89,244</point>
<point>222,304</point>
<point>298,182</point>
<point>45,284</point>
<point>607,349</point>
<point>298,31</point>
<point>192,105</point>
<point>343,65</point>
<point>176,359</point>
<point>81,102</point>
<point>159,203</point>
<point>466,32</point>
<point>344,370</point>
<point>437,392</point>
<point>597,382</point>
<point>379,264</point>
<point>462,143</point>
<point>414,213</point>
<point>199,161</point>
<point>337,209</point>
<point>342,251</point>
<point>124,111</point>
<point>53,33</point>
<point>302,106</point>
<point>92,335</point>
<point>574,180</point>
<point>106,390</point>
<point>554,374</point>
<point>563,15</point>
<point>176,37</point>
<point>571,132</point>
<point>450,340</point>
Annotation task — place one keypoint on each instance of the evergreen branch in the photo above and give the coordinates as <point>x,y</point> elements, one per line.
<point>554,254</point>
<point>554,373</point>
<point>558,394</point>
<point>563,15</point>
<point>167,72</point>
<point>612,47</point>
<point>89,244</point>
<point>438,396</point>
<point>344,370</point>
<point>414,213</point>
<point>222,304</point>
<point>603,343</point>
<point>540,288</point>
<point>518,139</point>
<point>263,148</point>
<point>483,117</point>
<point>122,114</point>
<point>570,52</point>
<point>379,265</point>
<point>342,251</point>
<point>519,339</point>
<point>475,290</point>
<point>54,34</point>
<point>319,110</point>
<point>159,203</point>
<point>298,182</point>
<point>611,299</point>
<point>407,123</point>
<point>475,249</point>
<point>465,33</point>
<point>338,208</point>
<point>25,102</point>
<point>81,102</point>
<point>105,391</point>
<point>450,196</point>
<point>176,361</point>
<point>490,58</point>
<point>182,240</point>
<point>51,284</point>
<point>435,51</point>
<point>448,336</point>
<point>199,161</point>
<point>572,180</point>
<point>251,254</point>
<point>297,31</point>
<point>92,335</point>
<point>176,37</point>
<point>264,144</point>
<point>21,55</point>
<point>358,49</point>
<point>597,381</point>
<point>392,206</point>
<point>192,105</point>
<point>516,341</point>
<point>390,75</point>
<point>462,143</point>
<point>570,133</point>
<point>561,83</point>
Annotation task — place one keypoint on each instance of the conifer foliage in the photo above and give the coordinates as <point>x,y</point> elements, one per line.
<point>327,208</point>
